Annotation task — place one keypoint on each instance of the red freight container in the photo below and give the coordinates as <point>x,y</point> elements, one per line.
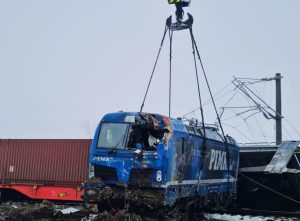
<point>44,169</point>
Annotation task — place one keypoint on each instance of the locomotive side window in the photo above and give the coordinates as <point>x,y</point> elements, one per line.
<point>214,135</point>
<point>112,135</point>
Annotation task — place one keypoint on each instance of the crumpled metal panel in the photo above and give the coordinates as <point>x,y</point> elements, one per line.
<point>282,157</point>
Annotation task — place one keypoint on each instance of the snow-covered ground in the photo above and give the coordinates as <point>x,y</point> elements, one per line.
<point>246,218</point>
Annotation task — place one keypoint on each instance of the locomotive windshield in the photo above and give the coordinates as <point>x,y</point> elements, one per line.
<point>113,135</point>
<point>144,133</point>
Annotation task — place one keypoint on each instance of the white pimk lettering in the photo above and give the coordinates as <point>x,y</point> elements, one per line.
<point>224,167</point>
<point>105,159</point>
<point>218,160</point>
<point>212,158</point>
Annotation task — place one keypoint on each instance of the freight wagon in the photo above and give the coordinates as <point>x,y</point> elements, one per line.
<point>51,169</point>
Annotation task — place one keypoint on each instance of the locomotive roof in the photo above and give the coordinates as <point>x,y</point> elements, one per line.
<point>178,125</point>
<point>131,117</point>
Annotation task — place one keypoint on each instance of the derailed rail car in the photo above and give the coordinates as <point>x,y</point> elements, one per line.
<point>153,160</point>
<point>39,169</point>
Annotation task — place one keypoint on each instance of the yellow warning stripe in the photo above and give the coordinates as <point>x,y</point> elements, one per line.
<point>174,1</point>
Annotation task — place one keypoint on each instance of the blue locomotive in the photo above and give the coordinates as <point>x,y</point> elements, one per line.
<point>150,159</point>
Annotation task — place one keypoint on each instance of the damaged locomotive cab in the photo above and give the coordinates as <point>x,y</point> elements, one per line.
<point>146,134</point>
<point>142,133</point>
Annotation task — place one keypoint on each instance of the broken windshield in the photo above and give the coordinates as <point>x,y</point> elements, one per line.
<point>147,138</point>
<point>113,135</point>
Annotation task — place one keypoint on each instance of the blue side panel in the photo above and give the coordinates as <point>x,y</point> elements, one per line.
<point>191,173</point>
<point>182,191</point>
<point>188,167</point>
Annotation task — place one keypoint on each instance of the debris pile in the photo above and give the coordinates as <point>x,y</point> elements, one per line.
<point>47,211</point>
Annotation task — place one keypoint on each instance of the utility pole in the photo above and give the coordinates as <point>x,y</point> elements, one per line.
<point>278,109</point>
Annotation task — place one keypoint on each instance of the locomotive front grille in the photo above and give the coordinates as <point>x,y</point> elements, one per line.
<point>141,177</point>
<point>106,173</point>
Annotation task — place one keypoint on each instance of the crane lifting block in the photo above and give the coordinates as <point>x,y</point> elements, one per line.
<point>180,25</point>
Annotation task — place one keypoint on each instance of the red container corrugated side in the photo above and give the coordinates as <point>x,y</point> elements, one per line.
<point>44,168</point>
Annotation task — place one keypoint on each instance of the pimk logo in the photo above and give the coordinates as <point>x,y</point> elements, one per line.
<point>218,160</point>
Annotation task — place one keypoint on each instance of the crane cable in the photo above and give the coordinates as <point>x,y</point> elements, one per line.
<point>170,70</point>
<point>153,70</point>
<point>195,50</point>
<point>201,112</point>
<point>198,84</point>
<point>214,105</point>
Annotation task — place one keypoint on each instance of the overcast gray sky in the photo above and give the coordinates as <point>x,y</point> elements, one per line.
<point>64,64</point>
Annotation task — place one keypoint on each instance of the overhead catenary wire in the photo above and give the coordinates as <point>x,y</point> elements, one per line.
<point>219,97</point>
<point>259,105</point>
<point>251,79</point>
<point>253,114</point>
<point>245,120</point>
<point>293,127</point>
<point>240,86</point>
<point>287,132</point>
<point>239,107</point>
<point>260,128</point>
<point>231,98</point>
<point>208,101</point>
<point>250,130</point>
<point>237,130</point>
<point>257,122</point>
<point>249,107</point>
<point>243,88</point>
<point>236,114</point>
<point>264,109</point>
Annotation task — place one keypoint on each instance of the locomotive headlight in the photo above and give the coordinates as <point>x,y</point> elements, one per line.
<point>158,176</point>
<point>91,192</point>
<point>91,170</point>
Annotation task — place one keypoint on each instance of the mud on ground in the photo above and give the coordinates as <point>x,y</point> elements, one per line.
<point>47,211</point>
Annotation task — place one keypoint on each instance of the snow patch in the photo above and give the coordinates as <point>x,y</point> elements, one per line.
<point>69,210</point>
<point>244,218</point>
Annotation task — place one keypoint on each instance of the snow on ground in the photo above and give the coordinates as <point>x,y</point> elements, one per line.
<point>246,218</point>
